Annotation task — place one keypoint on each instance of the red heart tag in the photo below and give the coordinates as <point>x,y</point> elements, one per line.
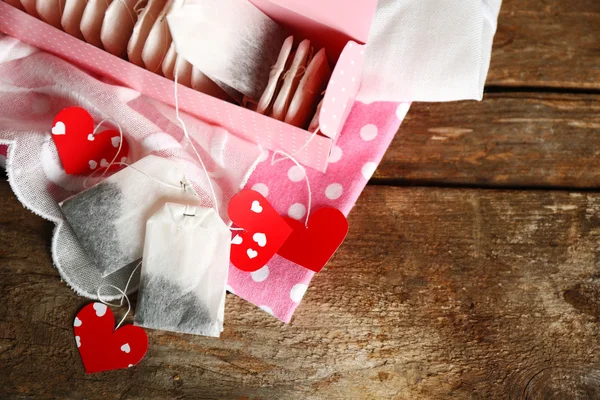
<point>312,247</point>
<point>264,230</point>
<point>80,151</point>
<point>101,347</point>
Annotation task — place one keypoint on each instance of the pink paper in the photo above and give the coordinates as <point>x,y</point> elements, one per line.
<point>279,287</point>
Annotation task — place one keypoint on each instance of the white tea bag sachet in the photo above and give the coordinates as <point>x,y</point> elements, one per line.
<point>231,41</point>
<point>184,271</point>
<point>109,219</point>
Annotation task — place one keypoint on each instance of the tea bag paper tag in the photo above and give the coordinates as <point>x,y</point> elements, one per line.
<point>264,230</point>
<point>184,271</point>
<point>109,219</point>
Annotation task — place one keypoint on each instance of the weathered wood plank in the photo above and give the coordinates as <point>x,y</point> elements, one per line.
<point>547,140</point>
<point>550,43</point>
<point>435,294</point>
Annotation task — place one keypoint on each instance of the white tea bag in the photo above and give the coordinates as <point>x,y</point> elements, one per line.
<point>168,64</point>
<point>109,219</point>
<point>307,96</point>
<point>50,11</point>
<point>92,19</point>
<point>71,18</point>
<point>275,78</point>
<point>291,81</point>
<point>184,271</point>
<point>231,41</point>
<point>119,20</point>
<point>158,41</point>
<point>30,8</point>
<point>142,29</point>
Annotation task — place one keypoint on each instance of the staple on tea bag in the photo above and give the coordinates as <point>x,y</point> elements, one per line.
<point>275,79</point>
<point>231,41</point>
<point>184,271</point>
<point>291,81</point>
<point>92,19</point>
<point>71,18</point>
<point>119,20</point>
<point>109,218</point>
<point>50,11</point>
<point>309,91</point>
<point>141,30</point>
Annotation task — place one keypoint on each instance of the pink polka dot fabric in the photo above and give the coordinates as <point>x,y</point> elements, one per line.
<point>278,288</point>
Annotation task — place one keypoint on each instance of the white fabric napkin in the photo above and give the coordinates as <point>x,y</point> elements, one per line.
<point>429,50</point>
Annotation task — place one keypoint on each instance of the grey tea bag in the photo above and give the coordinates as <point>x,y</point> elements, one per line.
<point>230,41</point>
<point>184,271</point>
<point>109,219</point>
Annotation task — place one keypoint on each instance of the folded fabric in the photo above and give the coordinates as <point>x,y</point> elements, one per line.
<point>429,50</point>
<point>36,86</point>
<point>278,288</point>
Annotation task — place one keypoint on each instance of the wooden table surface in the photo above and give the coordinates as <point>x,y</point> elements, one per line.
<point>471,271</point>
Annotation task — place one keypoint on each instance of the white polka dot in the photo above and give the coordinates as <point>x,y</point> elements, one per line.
<point>336,154</point>
<point>261,275</point>
<point>261,188</point>
<point>368,170</point>
<point>402,110</point>
<point>334,191</point>
<point>266,309</point>
<point>297,211</point>
<point>100,309</point>
<point>130,365</point>
<point>126,348</point>
<point>229,289</point>
<point>78,341</point>
<point>77,322</point>
<point>368,132</point>
<point>297,292</point>
<point>40,105</point>
<point>296,174</point>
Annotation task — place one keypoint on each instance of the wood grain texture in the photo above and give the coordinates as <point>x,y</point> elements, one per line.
<point>436,294</point>
<point>508,139</point>
<point>547,43</point>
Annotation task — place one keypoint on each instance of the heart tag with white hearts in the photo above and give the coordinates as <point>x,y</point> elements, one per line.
<point>264,231</point>
<point>101,347</point>
<point>80,150</point>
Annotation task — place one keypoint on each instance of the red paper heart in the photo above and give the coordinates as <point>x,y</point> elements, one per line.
<point>312,247</point>
<point>72,130</point>
<point>101,347</point>
<point>264,230</point>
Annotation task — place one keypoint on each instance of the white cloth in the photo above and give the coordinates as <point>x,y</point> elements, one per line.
<point>429,50</point>
<point>36,86</point>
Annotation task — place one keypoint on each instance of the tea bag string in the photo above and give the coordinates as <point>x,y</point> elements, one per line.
<point>114,162</point>
<point>124,295</point>
<point>187,136</point>
<point>309,202</point>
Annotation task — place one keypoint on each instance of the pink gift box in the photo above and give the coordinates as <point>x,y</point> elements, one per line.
<point>335,24</point>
